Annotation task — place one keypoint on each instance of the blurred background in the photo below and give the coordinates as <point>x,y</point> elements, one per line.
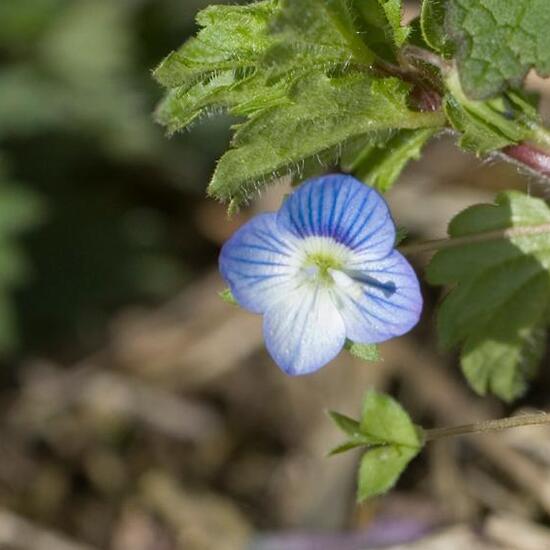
<point>138,411</point>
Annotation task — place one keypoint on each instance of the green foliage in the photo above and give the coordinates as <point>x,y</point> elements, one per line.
<point>302,73</point>
<point>20,210</point>
<point>432,22</point>
<point>498,42</point>
<point>76,60</point>
<point>227,296</point>
<point>323,112</point>
<point>384,157</point>
<point>390,437</point>
<point>365,352</point>
<point>486,126</point>
<point>500,293</point>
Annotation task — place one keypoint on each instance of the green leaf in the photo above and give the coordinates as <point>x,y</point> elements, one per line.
<point>501,292</point>
<point>232,39</point>
<point>381,161</point>
<point>365,352</point>
<point>385,420</point>
<point>498,42</point>
<point>323,113</point>
<point>390,436</point>
<point>321,31</point>
<point>227,296</point>
<point>393,11</point>
<point>432,23</point>
<point>352,429</point>
<point>488,125</point>
<point>380,469</point>
<point>401,234</point>
<point>348,425</point>
<point>380,26</point>
<point>223,91</point>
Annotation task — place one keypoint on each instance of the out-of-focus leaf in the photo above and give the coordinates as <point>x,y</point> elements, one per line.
<point>501,292</point>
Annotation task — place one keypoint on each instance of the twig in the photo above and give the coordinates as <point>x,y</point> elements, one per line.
<point>510,233</point>
<point>488,426</point>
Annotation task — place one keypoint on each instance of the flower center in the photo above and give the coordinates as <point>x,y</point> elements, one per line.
<point>320,258</point>
<point>320,265</point>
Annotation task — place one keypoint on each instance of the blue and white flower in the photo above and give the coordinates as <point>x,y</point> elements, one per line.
<point>320,270</point>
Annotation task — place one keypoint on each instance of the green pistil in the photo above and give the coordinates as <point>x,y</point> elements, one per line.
<point>323,263</point>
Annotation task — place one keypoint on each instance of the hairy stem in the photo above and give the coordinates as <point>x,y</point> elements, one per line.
<point>441,244</point>
<point>488,426</point>
<point>534,157</point>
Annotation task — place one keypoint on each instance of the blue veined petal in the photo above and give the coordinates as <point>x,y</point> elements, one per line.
<point>343,208</point>
<point>258,263</point>
<point>379,302</point>
<point>304,331</point>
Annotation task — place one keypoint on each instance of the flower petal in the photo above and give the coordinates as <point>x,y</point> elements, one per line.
<point>379,302</point>
<point>258,263</point>
<point>343,208</point>
<point>304,331</point>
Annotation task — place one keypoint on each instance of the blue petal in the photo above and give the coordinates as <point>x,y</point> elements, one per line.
<point>257,263</point>
<point>381,301</point>
<point>343,208</point>
<point>304,331</point>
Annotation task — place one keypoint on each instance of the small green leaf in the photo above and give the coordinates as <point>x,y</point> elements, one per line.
<point>227,296</point>
<point>432,22</point>
<point>488,125</point>
<point>380,469</point>
<point>497,42</point>
<point>390,436</point>
<point>381,161</point>
<point>348,445</point>
<point>401,234</point>
<point>351,428</point>
<point>366,352</point>
<point>384,419</point>
<point>380,26</point>
<point>348,425</point>
<point>501,292</point>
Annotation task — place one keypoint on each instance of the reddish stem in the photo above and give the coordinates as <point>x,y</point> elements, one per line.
<point>530,156</point>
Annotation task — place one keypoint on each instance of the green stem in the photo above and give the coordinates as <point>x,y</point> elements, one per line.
<point>488,426</point>
<point>441,244</point>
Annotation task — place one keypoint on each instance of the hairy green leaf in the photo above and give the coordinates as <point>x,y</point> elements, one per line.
<point>322,32</point>
<point>380,469</point>
<point>380,26</point>
<point>487,126</point>
<point>323,113</point>
<point>432,23</point>
<point>232,38</point>
<point>381,161</point>
<point>501,291</point>
<point>497,42</point>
